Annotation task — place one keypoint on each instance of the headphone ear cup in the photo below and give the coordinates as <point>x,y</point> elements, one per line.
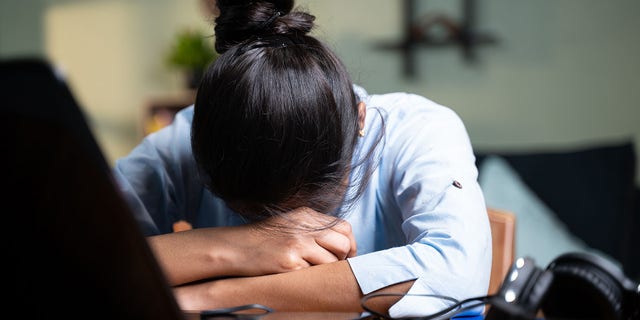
<point>582,289</point>
<point>521,292</point>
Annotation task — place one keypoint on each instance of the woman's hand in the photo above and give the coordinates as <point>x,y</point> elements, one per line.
<point>293,241</point>
<point>298,239</point>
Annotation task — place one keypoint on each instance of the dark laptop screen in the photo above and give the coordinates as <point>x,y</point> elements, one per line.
<point>73,247</point>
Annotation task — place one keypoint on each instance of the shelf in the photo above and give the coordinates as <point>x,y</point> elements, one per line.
<point>453,33</point>
<point>159,112</point>
<point>480,39</point>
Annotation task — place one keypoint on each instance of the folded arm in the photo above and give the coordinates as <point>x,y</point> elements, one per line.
<point>327,287</point>
<point>274,263</point>
<point>297,240</point>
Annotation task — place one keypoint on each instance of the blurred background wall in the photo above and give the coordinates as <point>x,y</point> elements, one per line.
<point>563,73</point>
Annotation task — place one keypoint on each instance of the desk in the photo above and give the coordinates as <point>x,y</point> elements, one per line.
<point>193,315</point>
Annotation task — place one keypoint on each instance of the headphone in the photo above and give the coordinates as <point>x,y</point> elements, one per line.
<point>573,286</point>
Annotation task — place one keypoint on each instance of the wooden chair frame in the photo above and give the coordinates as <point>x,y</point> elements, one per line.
<point>503,224</point>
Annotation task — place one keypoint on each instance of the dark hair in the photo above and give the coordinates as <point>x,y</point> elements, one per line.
<point>276,117</point>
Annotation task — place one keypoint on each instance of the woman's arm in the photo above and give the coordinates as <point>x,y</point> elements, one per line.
<point>276,245</point>
<point>434,221</point>
<point>326,287</point>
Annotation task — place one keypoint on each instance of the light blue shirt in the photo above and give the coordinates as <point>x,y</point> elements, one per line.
<point>421,217</point>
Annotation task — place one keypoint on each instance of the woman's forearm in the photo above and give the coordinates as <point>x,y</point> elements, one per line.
<point>188,256</point>
<point>253,249</point>
<point>327,287</point>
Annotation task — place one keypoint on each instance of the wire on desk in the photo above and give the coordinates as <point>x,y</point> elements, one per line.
<point>446,313</point>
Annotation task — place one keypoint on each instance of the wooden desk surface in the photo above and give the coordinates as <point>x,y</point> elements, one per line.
<point>192,315</point>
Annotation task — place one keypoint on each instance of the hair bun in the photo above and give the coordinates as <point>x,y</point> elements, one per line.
<point>241,19</point>
<point>282,5</point>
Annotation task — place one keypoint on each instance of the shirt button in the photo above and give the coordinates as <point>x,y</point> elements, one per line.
<point>457,184</point>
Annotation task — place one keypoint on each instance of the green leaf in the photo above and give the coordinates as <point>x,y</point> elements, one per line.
<point>191,50</point>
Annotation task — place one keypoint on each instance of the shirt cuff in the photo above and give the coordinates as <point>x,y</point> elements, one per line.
<point>419,301</point>
<point>373,272</point>
<point>380,269</point>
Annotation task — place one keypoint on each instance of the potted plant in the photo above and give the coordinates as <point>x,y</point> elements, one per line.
<point>191,52</point>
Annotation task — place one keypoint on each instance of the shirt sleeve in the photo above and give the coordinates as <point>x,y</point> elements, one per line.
<point>429,167</point>
<point>158,176</point>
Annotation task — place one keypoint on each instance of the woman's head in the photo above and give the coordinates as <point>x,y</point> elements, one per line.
<point>276,119</point>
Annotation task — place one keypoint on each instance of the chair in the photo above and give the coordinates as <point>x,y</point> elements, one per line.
<point>503,224</point>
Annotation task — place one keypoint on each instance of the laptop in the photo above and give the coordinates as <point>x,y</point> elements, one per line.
<point>73,249</point>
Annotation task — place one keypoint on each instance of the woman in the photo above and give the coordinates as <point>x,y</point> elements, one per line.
<point>305,192</point>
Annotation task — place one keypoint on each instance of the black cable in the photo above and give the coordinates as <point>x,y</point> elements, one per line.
<point>483,300</point>
<point>383,316</point>
<point>459,311</point>
<point>456,307</point>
